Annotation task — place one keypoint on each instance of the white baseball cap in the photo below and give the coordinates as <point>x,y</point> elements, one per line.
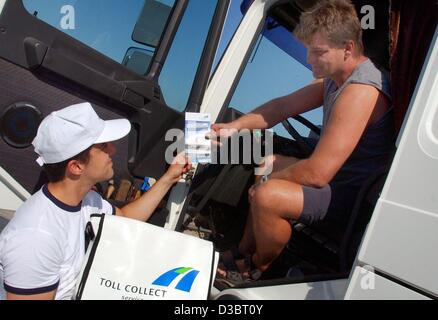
<point>65,133</point>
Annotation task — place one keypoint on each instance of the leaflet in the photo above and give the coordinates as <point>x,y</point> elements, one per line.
<point>198,148</point>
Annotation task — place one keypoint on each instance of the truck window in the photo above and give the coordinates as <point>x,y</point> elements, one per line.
<point>110,27</point>
<point>105,25</point>
<point>271,73</point>
<point>176,78</point>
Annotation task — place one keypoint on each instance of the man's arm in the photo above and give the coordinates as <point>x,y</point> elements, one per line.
<point>31,261</point>
<point>279,109</point>
<point>142,208</point>
<point>347,122</point>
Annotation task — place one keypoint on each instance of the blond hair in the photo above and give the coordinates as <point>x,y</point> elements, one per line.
<point>335,19</point>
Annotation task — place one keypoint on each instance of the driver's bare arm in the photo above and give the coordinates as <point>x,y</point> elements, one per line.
<point>279,109</point>
<point>347,122</point>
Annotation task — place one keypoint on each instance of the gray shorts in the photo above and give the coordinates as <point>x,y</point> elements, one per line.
<point>316,203</point>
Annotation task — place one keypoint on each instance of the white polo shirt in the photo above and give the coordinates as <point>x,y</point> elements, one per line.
<point>43,246</point>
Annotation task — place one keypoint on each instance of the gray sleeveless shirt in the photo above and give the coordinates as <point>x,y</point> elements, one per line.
<point>376,145</point>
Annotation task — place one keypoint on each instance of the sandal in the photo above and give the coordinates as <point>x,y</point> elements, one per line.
<point>235,276</point>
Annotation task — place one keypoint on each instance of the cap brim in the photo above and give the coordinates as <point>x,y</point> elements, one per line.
<point>114,130</point>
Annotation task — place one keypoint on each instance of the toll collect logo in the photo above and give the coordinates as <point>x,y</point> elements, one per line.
<point>186,282</point>
<point>135,292</point>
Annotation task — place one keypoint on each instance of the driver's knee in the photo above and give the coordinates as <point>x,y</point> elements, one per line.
<point>263,195</point>
<point>277,198</point>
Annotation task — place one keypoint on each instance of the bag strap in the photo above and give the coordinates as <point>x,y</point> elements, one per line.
<point>89,235</point>
<point>90,259</point>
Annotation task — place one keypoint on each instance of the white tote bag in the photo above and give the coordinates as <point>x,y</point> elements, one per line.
<point>134,260</point>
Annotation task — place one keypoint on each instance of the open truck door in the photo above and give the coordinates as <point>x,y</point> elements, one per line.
<point>120,58</point>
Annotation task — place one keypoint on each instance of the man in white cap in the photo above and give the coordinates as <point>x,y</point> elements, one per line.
<point>43,247</point>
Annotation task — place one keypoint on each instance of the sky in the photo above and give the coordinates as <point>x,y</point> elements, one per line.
<point>107,26</point>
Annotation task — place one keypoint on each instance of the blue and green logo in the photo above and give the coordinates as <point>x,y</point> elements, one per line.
<point>186,282</point>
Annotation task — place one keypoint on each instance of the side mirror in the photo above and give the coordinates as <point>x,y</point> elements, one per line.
<point>151,23</point>
<point>138,60</point>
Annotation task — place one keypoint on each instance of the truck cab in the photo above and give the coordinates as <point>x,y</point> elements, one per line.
<point>153,61</point>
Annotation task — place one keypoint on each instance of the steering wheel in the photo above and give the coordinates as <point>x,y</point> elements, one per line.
<point>303,145</point>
